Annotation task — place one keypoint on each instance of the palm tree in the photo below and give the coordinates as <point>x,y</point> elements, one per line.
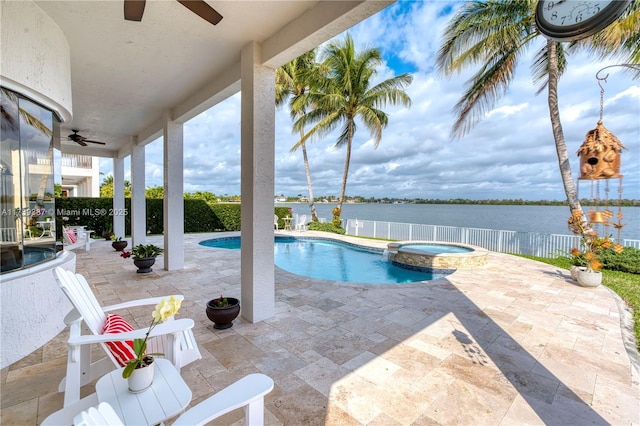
<point>293,81</point>
<point>347,94</point>
<point>494,34</point>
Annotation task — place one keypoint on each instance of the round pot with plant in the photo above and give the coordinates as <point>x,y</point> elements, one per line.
<point>118,243</point>
<point>222,311</point>
<point>144,256</point>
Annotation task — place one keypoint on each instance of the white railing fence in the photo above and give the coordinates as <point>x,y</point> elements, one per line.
<point>529,243</point>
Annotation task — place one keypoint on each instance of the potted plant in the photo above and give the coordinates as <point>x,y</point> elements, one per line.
<point>222,311</point>
<point>592,245</point>
<point>107,233</point>
<point>140,369</point>
<point>118,243</point>
<point>144,256</point>
<point>577,261</point>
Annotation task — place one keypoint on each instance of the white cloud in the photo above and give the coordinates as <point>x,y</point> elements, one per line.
<point>510,153</point>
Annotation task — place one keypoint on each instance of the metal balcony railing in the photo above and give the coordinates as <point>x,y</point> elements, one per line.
<point>528,243</point>
<point>77,161</point>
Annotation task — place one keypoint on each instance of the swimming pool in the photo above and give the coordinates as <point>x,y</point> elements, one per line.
<point>336,261</point>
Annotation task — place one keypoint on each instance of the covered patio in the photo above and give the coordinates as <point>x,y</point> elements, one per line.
<point>512,342</point>
<point>111,86</point>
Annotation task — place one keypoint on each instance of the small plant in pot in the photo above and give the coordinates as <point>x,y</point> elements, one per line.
<point>587,271</point>
<point>222,311</point>
<point>144,256</point>
<point>107,233</point>
<point>118,243</point>
<point>140,369</point>
<point>577,261</point>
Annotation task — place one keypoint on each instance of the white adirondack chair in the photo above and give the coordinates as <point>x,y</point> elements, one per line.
<point>73,238</point>
<point>173,338</point>
<point>247,393</point>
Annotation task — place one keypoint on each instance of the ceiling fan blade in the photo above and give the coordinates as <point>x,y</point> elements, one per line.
<point>99,143</point>
<point>81,143</point>
<point>203,10</point>
<point>133,10</point>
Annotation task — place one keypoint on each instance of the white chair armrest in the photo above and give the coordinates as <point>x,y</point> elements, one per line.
<point>65,416</point>
<point>249,389</point>
<point>139,302</point>
<point>169,327</point>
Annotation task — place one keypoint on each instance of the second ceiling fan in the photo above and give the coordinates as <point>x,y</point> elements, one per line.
<point>134,9</point>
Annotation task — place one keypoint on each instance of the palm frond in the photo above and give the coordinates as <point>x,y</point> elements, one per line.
<point>484,90</point>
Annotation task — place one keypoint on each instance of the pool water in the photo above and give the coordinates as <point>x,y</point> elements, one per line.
<point>437,248</point>
<point>335,261</point>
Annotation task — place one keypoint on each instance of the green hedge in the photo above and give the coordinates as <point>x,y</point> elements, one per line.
<point>627,261</point>
<point>227,215</point>
<point>92,213</point>
<point>97,214</point>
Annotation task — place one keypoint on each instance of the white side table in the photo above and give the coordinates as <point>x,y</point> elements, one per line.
<point>167,397</point>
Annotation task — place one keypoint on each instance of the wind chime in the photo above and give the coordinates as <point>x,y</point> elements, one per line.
<point>600,161</point>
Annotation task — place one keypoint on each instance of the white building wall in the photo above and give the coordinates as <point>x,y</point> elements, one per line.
<point>36,63</point>
<point>28,33</point>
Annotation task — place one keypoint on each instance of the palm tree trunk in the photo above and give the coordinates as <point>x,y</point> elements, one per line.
<point>558,135</point>
<point>347,160</point>
<point>312,204</point>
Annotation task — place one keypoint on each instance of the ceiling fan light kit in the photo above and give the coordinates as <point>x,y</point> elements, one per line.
<point>134,9</point>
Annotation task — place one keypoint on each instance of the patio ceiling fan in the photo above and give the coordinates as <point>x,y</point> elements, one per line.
<point>134,9</point>
<point>81,140</point>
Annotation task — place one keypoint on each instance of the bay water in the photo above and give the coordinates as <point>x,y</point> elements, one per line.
<point>538,219</point>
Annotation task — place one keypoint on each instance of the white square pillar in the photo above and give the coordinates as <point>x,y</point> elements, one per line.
<point>118,197</point>
<point>257,138</point>
<point>173,206</point>
<point>138,202</point>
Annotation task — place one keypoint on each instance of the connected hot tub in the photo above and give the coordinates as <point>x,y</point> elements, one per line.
<point>436,255</point>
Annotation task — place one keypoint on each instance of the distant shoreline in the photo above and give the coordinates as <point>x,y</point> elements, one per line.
<point>610,203</point>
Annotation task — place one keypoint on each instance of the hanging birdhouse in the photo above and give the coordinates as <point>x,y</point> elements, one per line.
<point>600,154</point>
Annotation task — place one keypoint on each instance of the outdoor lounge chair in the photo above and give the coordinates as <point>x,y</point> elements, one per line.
<point>173,338</point>
<point>301,223</point>
<point>275,221</point>
<point>247,393</point>
<point>73,239</point>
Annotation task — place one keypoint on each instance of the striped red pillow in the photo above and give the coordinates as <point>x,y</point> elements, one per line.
<point>122,350</point>
<point>70,234</point>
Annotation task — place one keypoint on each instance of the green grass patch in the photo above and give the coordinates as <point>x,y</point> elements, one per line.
<point>625,284</point>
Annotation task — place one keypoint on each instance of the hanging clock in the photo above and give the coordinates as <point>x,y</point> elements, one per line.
<point>568,20</point>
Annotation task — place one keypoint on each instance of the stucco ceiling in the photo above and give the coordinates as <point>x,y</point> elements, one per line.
<point>126,74</point>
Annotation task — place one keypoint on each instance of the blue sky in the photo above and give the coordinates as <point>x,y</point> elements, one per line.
<point>509,154</point>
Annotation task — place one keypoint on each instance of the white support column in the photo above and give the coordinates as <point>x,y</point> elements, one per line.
<point>173,207</point>
<point>118,197</point>
<point>257,137</point>
<point>95,177</point>
<point>138,201</point>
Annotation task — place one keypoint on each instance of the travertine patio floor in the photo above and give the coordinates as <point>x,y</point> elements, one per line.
<point>512,342</point>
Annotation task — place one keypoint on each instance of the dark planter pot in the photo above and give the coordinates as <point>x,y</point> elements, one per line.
<point>223,317</point>
<point>119,245</point>
<point>107,235</point>
<point>144,265</point>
